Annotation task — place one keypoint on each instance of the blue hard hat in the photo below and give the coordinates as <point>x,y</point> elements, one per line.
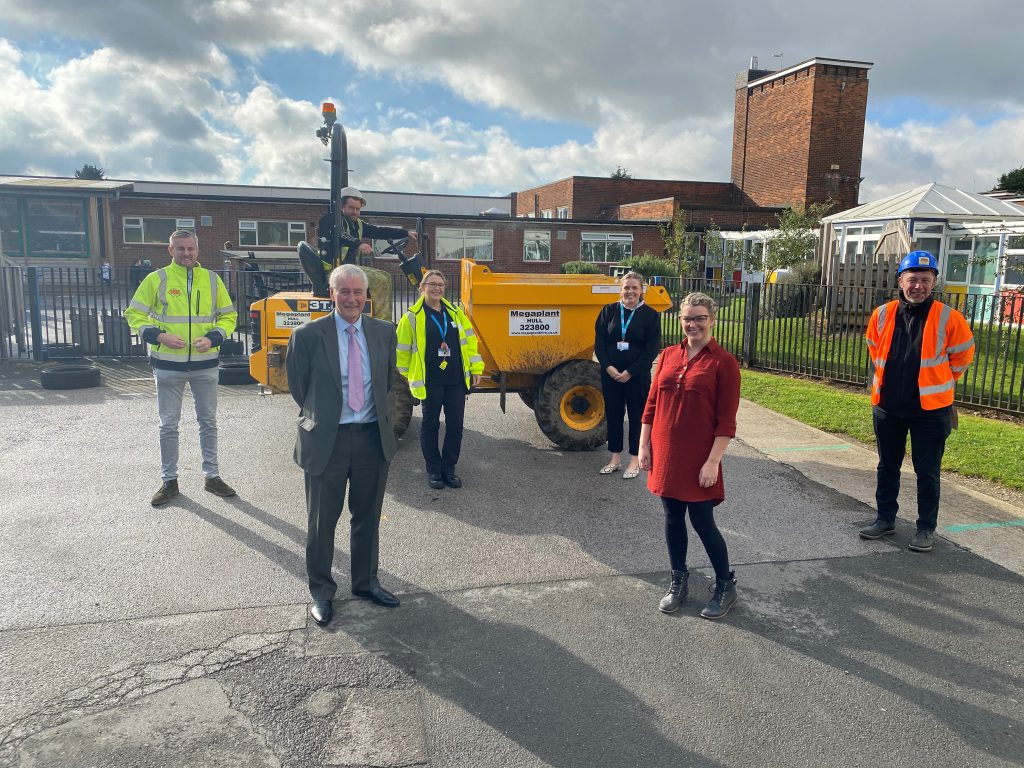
<point>918,260</point>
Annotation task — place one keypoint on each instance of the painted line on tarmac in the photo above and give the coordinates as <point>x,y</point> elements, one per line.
<point>962,527</point>
<point>811,447</point>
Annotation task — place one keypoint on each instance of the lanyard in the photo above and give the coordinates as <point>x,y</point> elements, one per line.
<point>622,317</point>
<point>442,328</point>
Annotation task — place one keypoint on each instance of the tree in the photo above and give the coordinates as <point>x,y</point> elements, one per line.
<point>681,246</point>
<point>1012,181</point>
<point>794,241</point>
<point>88,171</point>
<point>621,173</point>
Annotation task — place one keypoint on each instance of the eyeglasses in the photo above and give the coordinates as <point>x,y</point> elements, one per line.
<point>434,285</point>
<point>699,319</point>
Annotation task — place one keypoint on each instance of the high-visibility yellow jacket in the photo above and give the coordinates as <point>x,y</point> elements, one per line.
<point>947,348</point>
<point>412,342</point>
<point>164,302</point>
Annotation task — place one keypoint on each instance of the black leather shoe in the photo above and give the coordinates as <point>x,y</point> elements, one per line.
<point>877,530</point>
<point>379,595</point>
<point>452,480</point>
<point>435,481</point>
<point>322,612</point>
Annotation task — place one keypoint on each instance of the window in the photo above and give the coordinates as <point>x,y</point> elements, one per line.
<point>138,229</point>
<point>56,228</point>
<point>206,221</point>
<point>562,212</point>
<point>10,226</point>
<point>958,253</point>
<point>453,244</point>
<point>271,233</point>
<point>604,247</point>
<point>536,245</point>
<point>1014,260</point>
<point>546,213</point>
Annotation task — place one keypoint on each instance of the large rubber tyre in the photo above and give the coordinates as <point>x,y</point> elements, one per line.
<point>233,372</point>
<point>402,403</point>
<point>70,377</point>
<point>570,406</point>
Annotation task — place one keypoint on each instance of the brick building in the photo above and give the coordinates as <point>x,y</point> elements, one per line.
<point>798,137</point>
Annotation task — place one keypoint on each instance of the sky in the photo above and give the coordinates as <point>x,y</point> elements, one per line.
<point>464,97</point>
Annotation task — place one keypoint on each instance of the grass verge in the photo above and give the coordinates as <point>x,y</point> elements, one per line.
<point>981,447</point>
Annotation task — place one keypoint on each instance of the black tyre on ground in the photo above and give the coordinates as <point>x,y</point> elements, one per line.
<point>402,403</point>
<point>235,372</point>
<point>70,377</point>
<point>570,406</point>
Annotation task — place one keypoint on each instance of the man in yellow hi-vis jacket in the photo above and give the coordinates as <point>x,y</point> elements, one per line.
<point>184,313</point>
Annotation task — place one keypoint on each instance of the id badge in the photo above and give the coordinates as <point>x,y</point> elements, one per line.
<point>444,351</point>
<point>622,346</point>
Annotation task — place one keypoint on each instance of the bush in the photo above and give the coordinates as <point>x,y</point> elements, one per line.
<point>804,273</point>
<point>580,268</point>
<point>650,266</point>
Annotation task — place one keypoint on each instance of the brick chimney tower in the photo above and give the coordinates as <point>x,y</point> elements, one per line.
<point>798,134</point>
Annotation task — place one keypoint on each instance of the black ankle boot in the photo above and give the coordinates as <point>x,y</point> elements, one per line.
<point>678,589</point>
<point>723,599</point>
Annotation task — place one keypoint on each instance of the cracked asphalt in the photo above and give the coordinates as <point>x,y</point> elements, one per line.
<point>528,633</point>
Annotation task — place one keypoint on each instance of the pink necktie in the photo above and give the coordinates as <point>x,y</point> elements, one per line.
<point>355,372</point>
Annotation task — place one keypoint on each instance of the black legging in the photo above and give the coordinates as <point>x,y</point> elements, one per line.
<point>620,400</point>
<point>702,518</point>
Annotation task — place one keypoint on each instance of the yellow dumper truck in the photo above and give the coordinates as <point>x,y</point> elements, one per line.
<point>535,334</point>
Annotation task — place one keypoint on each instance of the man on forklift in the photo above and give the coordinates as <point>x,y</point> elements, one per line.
<point>354,229</point>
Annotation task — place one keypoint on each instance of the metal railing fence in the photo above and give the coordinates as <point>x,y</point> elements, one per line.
<point>810,330</point>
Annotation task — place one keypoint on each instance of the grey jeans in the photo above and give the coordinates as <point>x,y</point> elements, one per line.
<point>170,388</point>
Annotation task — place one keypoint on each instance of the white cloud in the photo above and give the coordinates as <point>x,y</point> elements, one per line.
<point>959,152</point>
<point>161,95</point>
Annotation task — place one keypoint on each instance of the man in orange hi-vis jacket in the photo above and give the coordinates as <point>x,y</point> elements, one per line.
<point>919,348</point>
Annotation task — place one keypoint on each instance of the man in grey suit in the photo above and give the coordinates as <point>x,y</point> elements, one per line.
<point>340,368</point>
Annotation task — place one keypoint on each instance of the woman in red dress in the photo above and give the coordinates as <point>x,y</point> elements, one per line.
<point>688,422</point>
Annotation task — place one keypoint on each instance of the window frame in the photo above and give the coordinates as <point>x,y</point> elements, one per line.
<point>292,228</point>
<point>182,222</point>
<point>445,232</point>
<point>538,235</point>
<point>605,239</point>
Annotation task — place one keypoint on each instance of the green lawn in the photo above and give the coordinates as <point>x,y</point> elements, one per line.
<point>799,345</point>
<point>981,447</point>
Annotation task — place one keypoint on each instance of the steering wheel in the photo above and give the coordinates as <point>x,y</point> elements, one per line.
<point>395,247</point>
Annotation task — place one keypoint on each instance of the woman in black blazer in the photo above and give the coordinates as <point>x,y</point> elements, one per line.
<point>627,338</point>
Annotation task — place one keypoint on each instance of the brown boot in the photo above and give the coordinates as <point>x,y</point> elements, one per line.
<point>167,492</point>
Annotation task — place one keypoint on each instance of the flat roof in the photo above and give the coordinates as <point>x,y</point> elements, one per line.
<point>808,63</point>
<point>58,184</point>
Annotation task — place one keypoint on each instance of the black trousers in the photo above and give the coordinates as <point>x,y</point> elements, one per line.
<point>452,398</point>
<point>928,435</point>
<point>622,400</point>
<point>357,464</point>
<point>702,518</point>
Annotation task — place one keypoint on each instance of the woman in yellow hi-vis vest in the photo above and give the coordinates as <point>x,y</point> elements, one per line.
<point>437,352</point>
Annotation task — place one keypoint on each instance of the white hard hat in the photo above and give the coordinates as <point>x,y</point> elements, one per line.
<point>351,192</point>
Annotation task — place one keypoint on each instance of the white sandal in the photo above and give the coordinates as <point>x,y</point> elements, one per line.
<point>629,474</point>
<point>607,469</point>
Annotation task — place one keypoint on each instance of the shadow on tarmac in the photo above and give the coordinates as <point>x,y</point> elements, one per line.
<point>518,682</point>
<point>864,609</point>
